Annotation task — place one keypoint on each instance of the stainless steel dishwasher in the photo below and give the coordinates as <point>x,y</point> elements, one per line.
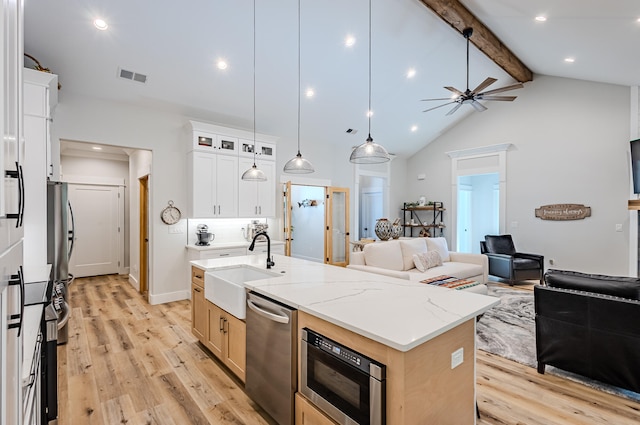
<point>271,374</point>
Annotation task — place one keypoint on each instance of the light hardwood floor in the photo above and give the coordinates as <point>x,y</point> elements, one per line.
<point>128,362</point>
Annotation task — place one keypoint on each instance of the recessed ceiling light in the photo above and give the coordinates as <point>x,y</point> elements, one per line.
<point>100,24</point>
<point>411,73</point>
<point>569,60</point>
<point>222,64</point>
<point>310,93</point>
<point>96,148</point>
<point>540,18</point>
<point>369,113</point>
<point>414,128</point>
<point>349,41</point>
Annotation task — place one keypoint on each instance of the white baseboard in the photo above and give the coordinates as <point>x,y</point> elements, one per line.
<point>134,282</point>
<point>169,297</point>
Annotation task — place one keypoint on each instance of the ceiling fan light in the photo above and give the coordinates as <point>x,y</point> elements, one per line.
<point>254,174</point>
<point>369,153</point>
<point>298,165</point>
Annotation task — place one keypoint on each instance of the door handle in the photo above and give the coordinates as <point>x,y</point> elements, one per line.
<point>221,324</point>
<point>269,315</point>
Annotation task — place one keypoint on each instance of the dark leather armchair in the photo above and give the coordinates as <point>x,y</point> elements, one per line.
<point>506,263</point>
<point>588,324</point>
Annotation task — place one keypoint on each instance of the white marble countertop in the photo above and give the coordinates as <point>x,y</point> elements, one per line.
<point>228,245</point>
<point>30,331</point>
<point>398,313</point>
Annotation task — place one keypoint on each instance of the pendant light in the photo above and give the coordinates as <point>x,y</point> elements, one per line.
<point>298,164</point>
<point>369,152</point>
<point>254,173</point>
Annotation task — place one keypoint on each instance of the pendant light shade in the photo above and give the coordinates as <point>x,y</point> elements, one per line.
<point>369,152</point>
<point>254,174</point>
<point>298,164</point>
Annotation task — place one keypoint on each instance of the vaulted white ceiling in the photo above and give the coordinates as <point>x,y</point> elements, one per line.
<point>177,44</point>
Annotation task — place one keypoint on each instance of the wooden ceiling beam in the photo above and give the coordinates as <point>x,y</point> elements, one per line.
<point>459,17</point>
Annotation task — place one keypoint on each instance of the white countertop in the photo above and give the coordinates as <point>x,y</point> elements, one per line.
<point>228,245</point>
<point>398,313</point>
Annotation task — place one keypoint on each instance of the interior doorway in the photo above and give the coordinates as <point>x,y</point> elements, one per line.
<point>478,210</point>
<point>371,204</point>
<point>144,234</point>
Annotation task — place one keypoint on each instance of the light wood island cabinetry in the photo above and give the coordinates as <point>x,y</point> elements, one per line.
<point>198,305</point>
<point>222,333</point>
<point>308,414</point>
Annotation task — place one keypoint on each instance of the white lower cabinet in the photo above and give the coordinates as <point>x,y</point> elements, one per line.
<point>258,199</point>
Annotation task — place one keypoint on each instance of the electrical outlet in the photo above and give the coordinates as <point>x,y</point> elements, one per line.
<point>618,227</point>
<point>514,224</point>
<point>176,229</point>
<point>457,357</point>
<point>552,261</point>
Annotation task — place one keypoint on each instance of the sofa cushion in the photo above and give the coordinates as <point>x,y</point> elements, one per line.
<point>623,287</point>
<point>411,247</point>
<point>450,268</point>
<point>386,255</point>
<point>427,260</point>
<point>440,245</point>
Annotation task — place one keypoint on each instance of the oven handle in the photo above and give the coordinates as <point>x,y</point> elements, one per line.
<point>267,314</point>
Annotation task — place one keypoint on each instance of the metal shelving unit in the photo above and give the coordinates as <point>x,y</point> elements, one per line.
<point>434,220</point>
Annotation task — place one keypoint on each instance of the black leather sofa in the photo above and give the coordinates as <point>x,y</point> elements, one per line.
<point>590,325</point>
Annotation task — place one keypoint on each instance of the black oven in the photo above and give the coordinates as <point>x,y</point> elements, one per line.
<point>348,386</point>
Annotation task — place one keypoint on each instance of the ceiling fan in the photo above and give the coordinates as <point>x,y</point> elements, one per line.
<point>471,97</point>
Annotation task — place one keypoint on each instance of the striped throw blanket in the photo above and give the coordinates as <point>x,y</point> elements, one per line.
<point>450,282</point>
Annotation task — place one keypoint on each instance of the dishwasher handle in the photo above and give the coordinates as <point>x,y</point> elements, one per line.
<point>267,314</point>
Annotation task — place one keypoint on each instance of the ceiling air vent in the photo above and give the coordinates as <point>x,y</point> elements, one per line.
<point>132,76</point>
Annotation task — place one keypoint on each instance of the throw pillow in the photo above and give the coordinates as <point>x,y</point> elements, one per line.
<point>440,245</point>
<point>409,248</point>
<point>427,260</point>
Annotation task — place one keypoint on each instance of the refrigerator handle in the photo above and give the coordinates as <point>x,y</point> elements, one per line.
<point>72,232</point>
<point>22,195</point>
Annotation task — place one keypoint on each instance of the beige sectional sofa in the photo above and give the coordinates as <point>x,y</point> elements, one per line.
<point>395,258</point>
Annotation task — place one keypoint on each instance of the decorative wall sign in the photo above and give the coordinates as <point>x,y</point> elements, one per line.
<point>563,212</point>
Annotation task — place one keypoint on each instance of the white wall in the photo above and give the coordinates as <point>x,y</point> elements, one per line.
<point>140,162</point>
<point>570,143</point>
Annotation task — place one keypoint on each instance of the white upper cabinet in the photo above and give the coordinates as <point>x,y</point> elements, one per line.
<point>217,157</point>
<point>213,189</point>
<point>257,199</point>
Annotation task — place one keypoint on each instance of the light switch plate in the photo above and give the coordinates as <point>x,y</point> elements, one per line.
<point>457,357</point>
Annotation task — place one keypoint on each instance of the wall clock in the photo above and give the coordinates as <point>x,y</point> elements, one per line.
<point>170,214</point>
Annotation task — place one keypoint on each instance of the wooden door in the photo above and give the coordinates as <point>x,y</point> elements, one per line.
<point>97,211</point>
<point>337,226</point>
<point>236,345</point>
<point>144,234</point>
<point>199,314</point>
<point>287,208</point>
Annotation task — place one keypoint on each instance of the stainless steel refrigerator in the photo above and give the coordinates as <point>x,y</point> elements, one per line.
<point>60,237</point>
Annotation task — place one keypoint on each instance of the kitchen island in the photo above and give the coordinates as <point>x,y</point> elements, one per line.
<point>416,330</point>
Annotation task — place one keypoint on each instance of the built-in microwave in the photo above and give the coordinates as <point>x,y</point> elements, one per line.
<point>346,385</point>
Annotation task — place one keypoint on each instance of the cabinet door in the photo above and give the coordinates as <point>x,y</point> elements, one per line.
<point>248,191</point>
<point>266,151</point>
<point>214,334</point>
<point>226,186</point>
<point>307,414</point>
<point>202,190</point>
<point>198,312</point>
<point>236,345</point>
<point>267,190</point>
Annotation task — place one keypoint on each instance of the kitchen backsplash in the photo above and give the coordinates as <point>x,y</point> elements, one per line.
<point>226,230</point>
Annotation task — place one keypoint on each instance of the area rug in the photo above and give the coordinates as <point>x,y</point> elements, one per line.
<point>508,330</point>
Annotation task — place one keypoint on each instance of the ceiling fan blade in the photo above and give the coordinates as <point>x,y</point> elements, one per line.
<point>483,85</point>
<point>442,98</point>
<point>439,106</point>
<point>505,98</point>
<point>455,90</point>
<point>455,108</point>
<point>478,106</point>
<point>501,89</point>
